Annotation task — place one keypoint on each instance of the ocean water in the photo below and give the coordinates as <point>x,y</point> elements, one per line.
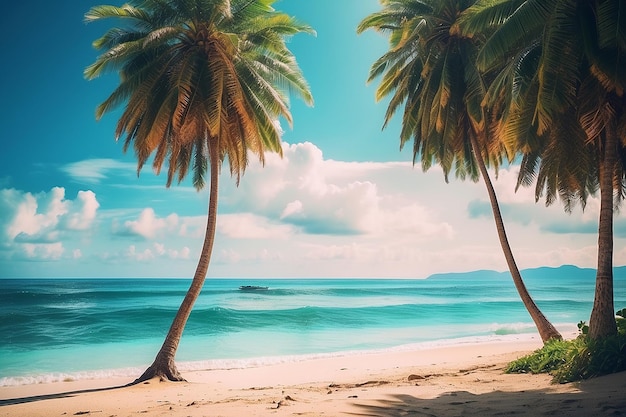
<point>61,329</point>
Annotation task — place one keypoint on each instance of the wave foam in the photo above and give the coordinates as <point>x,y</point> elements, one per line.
<point>69,376</point>
<point>242,363</point>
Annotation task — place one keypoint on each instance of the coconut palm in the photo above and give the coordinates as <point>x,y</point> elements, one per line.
<point>563,95</point>
<point>433,73</point>
<point>201,80</point>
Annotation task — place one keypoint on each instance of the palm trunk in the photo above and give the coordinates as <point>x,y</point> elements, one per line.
<point>164,366</point>
<point>546,330</point>
<point>602,322</point>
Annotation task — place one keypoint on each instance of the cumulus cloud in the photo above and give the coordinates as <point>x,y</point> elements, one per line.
<point>299,215</point>
<point>326,197</point>
<point>193,227</point>
<point>520,208</point>
<point>83,211</point>
<point>416,221</point>
<point>234,257</point>
<point>148,224</point>
<point>392,212</point>
<point>139,255</point>
<point>250,226</point>
<point>352,251</point>
<point>50,251</point>
<point>35,225</point>
<point>32,215</point>
<point>518,213</point>
<point>146,253</point>
<point>162,250</point>
<point>293,208</point>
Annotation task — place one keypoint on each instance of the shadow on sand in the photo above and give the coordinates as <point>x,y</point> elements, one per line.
<point>34,398</point>
<point>603,396</point>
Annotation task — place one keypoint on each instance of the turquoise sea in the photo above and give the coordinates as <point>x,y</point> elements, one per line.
<point>57,329</point>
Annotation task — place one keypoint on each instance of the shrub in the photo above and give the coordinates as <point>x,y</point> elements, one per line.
<point>577,359</point>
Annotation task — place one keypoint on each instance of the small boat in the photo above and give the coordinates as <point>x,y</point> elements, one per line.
<point>252,288</point>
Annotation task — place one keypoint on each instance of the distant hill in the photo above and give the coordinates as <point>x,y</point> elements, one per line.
<point>569,272</point>
<point>472,275</point>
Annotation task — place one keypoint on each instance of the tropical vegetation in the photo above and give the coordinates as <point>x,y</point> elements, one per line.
<point>202,81</point>
<point>561,107</point>
<point>431,70</point>
<point>581,358</point>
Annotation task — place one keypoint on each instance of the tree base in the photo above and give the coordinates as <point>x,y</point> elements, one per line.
<point>164,370</point>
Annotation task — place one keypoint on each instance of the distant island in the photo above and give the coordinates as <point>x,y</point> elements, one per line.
<point>544,272</point>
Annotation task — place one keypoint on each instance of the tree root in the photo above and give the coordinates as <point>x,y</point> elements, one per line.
<point>165,371</point>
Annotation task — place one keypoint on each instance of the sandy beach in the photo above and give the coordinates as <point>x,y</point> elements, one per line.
<point>460,380</point>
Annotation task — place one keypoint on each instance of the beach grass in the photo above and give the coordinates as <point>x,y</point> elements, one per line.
<point>577,359</point>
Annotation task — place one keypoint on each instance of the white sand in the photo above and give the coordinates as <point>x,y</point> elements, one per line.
<point>462,380</point>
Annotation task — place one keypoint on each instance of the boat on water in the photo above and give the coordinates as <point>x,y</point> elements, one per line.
<point>253,288</point>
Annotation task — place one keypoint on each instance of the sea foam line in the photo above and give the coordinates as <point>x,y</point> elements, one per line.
<point>242,363</point>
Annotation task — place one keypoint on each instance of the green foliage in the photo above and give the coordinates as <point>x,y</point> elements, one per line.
<point>199,79</point>
<point>588,358</point>
<point>577,359</point>
<point>429,76</point>
<point>620,318</point>
<point>547,359</point>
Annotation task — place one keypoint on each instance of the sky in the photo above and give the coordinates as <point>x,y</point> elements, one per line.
<point>344,200</point>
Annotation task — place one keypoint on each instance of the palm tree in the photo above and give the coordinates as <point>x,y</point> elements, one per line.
<point>432,72</point>
<point>202,80</point>
<point>563,95</point>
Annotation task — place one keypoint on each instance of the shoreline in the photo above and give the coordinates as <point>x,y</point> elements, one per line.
<point>462,379</point>
<point>130,372</point>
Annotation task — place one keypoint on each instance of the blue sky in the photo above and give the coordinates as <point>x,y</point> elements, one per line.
<point>342,202</point>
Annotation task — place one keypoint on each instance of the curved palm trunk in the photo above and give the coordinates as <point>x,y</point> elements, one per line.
<point>164,366</point>
<point>546,330</point>
<point>602,322</point>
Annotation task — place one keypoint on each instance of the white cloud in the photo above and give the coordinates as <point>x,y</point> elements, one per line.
<point>160,248</point>
<point>304,215</point>
<point>250,226</point>
<point>95,170</point>
<point>183,253</point>
<point>391,219</point>
<point>293,208</point>
<point>232,257</point>
<point>193,227</point>
<point>138,255</point>
<point>159,254</point>
<point>148,225</point>
<point>417,221</point>
<point>42,252</point>
<point>325,197</point>
<point>83,211</point>
<point>32,215</point>
<point>505,183</point>
<point>352,252</point>
<point>35,226</point>
<point>162,251</point>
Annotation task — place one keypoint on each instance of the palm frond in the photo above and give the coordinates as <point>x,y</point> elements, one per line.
<point>193,71</point>
<point>484,16</point>
<point>558,71</point>
<point>520,30</point>
<point>125,11</point>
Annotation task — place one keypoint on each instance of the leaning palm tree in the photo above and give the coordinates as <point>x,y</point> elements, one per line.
<point>433,73</point>
<point>565,107</point>
<point>202,81</point>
